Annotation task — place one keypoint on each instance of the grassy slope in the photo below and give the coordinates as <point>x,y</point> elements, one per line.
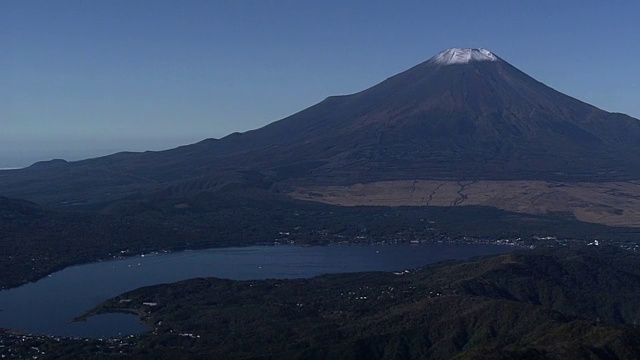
<point>608,203</point>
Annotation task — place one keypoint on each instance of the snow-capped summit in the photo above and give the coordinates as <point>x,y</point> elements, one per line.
<point>463,56</point>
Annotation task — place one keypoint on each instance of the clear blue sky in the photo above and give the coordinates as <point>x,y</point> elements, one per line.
<point>84,78</point>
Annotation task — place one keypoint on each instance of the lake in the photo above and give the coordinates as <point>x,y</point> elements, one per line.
<point>48,305</point>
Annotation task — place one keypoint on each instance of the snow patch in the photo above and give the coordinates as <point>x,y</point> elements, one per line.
<point>463,56</point>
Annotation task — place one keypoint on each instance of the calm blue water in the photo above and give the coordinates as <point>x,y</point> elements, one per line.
<point>48,306</point>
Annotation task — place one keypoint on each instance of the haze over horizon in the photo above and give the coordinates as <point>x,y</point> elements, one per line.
<point>88,79</point>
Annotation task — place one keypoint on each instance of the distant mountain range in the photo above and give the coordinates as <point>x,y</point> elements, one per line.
<point>461,117</point>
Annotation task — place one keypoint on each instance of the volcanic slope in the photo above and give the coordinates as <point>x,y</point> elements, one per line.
<point>463,115</point>
<point>454,121</point>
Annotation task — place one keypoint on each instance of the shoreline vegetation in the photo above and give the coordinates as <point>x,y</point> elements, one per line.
<point>479,308</point>
<point>38,241</point>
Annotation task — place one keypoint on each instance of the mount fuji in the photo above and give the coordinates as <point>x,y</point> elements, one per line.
<point>436,134</point>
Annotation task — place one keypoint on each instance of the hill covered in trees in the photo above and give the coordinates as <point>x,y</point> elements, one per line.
<point>568,303</point>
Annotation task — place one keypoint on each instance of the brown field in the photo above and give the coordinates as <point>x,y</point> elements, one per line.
<point>611,203</point>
